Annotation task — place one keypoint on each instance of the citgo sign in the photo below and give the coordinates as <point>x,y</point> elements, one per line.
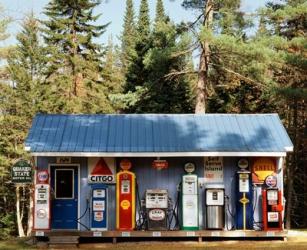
<point>101,170</point>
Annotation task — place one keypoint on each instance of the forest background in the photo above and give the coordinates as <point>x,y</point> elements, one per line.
<point>212,64</point>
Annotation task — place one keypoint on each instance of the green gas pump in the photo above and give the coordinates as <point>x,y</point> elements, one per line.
<point>189,199</point>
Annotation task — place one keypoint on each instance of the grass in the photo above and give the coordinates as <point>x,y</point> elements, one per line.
<point>15,244</point>
<point>216,245</point>
<point>254,245</point>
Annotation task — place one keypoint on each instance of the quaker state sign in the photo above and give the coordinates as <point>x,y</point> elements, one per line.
<point>21,172</point>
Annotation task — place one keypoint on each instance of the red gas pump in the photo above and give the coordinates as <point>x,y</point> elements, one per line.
<point>272,205</point>
<point>125,197</point>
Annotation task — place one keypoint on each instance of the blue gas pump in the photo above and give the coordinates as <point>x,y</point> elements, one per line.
<point>244,208</point>
<point>99,203</point>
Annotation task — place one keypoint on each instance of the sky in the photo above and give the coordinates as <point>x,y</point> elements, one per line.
<point>111,10</point>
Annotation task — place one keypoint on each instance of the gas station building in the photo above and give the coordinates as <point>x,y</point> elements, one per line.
<point>159,175</point>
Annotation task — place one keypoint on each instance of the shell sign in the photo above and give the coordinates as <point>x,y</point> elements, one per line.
<point>263,167</point>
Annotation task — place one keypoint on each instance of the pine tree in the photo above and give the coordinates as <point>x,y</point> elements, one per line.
<point>112,72</point>
<point>75,62</point>
<point>128,36</point>
<point>288,21</point>
<point>136,72</point>
<point>19,99</point>
<point>160,12</point>
<point>7,199</point>
<point>230,62</point>
<point>26,68</point>
<point>143,25</point>
<point>148,89</point>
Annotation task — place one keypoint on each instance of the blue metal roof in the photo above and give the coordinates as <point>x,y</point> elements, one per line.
<point>158,133</point>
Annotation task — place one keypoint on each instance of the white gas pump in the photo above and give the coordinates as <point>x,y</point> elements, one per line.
<point>156,204</point>
<point>42,207</point>
<point>41,217</point>
<point>189,199</point>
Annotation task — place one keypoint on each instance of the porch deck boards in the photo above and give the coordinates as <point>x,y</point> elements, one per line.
<point>163,234</point>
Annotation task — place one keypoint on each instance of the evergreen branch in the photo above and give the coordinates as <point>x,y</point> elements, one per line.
<point>179,73</point>
<point>197,19</point>
<point>192,48</point>
<point>245,78</point>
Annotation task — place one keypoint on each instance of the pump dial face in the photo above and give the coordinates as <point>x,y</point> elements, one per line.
<point>243,163</point>
<point>189,167</point>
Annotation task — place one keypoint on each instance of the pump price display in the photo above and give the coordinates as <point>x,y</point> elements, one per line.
<point>98,205</point>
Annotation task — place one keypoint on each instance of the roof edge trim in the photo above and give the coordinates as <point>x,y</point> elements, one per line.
<point>157,154</point>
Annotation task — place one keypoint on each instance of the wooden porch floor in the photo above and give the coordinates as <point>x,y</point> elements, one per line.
<point>165,234</point>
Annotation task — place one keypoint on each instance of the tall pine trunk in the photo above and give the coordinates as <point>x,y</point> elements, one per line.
<point>202,82</point>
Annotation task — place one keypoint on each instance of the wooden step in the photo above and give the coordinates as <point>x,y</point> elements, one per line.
<point>54,240</point>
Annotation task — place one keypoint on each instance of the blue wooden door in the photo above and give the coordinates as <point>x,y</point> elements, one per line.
<point>64,182</point>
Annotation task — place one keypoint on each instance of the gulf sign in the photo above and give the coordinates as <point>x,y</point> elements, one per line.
<point>101,170</point>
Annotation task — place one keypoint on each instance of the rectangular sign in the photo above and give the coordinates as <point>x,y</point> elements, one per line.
<point>126,234</point>
<point>156,234</point>
<point>273,217</point>
<point>97,234</point>
<point>21,172</point>
<point>98,205</point>
<point>213,170</point>
<point>63,160</point>
<point>101,170</point>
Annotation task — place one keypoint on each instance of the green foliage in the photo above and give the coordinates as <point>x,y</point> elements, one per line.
<point>160,12</point>
<point>143,25</point>
<point>128,36</point>
<point>7,225</point>
<point>136,72</point>
<point>74,83</point>
<point>148,87</point>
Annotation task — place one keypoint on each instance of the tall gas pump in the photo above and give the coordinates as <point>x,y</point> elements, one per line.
<point>244,208</point>
<point>125,197</point>
<point>272,205</point>
<point>189,199</point>
<point>99,203</point>
<point>42,201</point>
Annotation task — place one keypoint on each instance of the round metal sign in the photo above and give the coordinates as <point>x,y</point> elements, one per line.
<point>189,167</point>
<point>125,164</point>
<point>243,163</point>
<point>271,181</point>
<point>42,177</point>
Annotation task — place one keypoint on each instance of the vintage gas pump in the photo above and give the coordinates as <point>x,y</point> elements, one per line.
<point>99,201</point>
<point>272,205</point>
<point>189,199</point>
<point>244,208</point>
<point>156,205</point>
<point>42,201</point>
<point>125,197</point>
<point>215,206</point>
